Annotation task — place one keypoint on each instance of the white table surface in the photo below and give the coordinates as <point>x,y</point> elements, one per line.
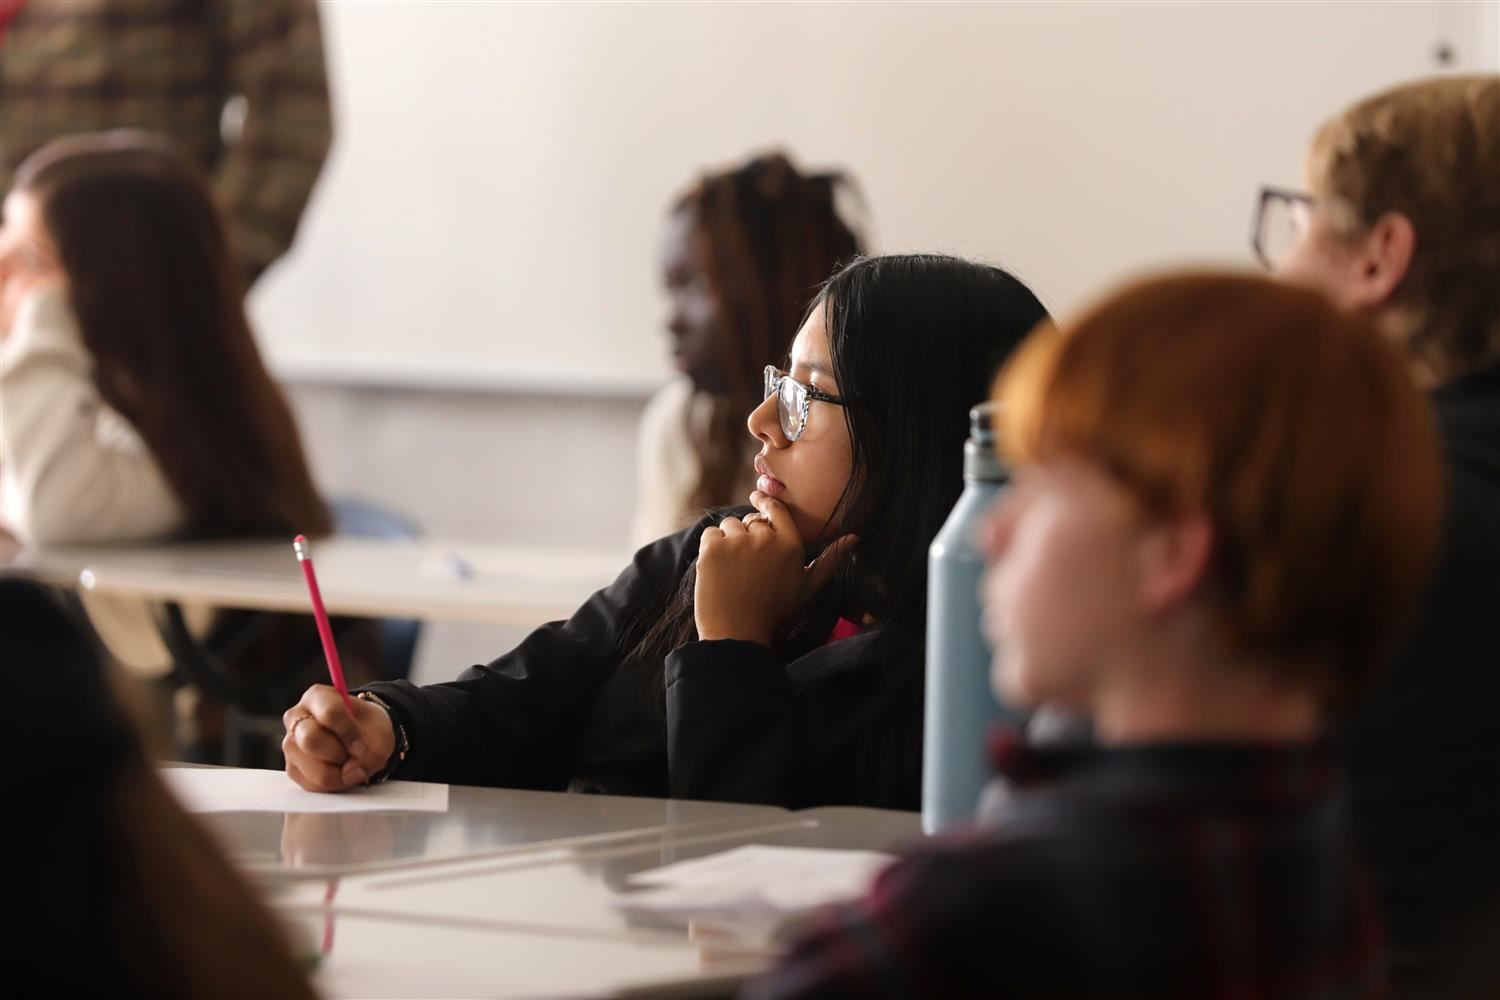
<point>541,923</point>
<point>509,892</point>
<point>551,932</point>
<point>364,577</point>
<point>499,824</point>
<point>379,958</point>
<point>59,567</point>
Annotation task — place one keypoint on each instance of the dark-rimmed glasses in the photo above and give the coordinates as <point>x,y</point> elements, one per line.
<point>1281,217</point>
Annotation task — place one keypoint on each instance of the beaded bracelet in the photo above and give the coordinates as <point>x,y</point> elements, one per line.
<point>403,744</point>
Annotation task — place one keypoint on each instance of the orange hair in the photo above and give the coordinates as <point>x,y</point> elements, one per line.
<point>1294,428</point>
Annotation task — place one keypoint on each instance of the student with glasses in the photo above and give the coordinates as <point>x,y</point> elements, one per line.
<point>1400,221</point>
<point>771,653</point>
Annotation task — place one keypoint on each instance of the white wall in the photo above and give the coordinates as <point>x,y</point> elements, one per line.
<point>489,216</point>
<point>492,206</point>
<point>549,470</point>
<point>451,238</point>
<point>518,467</point>
<point>1489,35</point>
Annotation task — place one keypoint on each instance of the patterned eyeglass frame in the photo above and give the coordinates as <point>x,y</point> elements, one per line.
<point>774,378</point>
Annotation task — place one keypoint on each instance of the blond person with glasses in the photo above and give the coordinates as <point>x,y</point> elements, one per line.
<point>771,653</point>
<point>1400,220</point>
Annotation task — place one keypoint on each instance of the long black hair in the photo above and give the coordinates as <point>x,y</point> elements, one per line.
<point>916,340</point>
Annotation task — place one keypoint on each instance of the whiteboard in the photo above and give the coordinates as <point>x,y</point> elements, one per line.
<point>491,210</point>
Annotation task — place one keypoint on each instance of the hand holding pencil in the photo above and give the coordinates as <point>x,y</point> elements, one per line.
<point>320,614</point>
<point>326,749</point>
<point>333,742</point>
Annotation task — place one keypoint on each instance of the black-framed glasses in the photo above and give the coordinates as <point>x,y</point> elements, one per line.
<point>793,400</point>
<point>1281,217</point>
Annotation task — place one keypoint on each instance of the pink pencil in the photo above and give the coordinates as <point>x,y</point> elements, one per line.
<point>325,630</point>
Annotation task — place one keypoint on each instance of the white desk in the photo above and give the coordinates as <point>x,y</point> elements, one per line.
<point>358,577</point>
<point>541,923</point>
<point>509,892</point>
<point>56,568</point>
<point>480,823</point>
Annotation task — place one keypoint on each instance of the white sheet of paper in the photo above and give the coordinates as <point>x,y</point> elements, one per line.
<point>756,865</point>
<point>213,789</point>
<point>755,885</point>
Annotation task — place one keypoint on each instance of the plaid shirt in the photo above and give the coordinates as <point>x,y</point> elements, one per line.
<point>170,67</point>
<point>1170,871</point>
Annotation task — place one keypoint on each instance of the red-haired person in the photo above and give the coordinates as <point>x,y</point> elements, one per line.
<point>1226,499</point>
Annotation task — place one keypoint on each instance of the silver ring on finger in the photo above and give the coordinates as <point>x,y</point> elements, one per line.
<point>755,518</point>
<point>292,732</point>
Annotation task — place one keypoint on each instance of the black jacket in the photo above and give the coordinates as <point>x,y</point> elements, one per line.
<point>1423,754</point>
<point>801,725</point>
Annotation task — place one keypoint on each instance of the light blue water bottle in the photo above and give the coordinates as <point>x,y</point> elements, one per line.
<point>960,708</point>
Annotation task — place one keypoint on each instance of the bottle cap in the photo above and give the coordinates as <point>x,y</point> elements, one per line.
<point>980,459</point>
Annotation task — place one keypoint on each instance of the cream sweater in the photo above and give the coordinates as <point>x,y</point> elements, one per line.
<point>667,466</point>
<point>74,471</point>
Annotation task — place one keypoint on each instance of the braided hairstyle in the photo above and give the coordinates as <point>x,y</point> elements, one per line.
<point>771,236</point>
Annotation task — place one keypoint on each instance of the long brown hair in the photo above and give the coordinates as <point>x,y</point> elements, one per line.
<point>152,280</point>
<point>122,892</point>
<point>773,236</point>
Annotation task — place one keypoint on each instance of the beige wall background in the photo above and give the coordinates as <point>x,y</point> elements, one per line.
<point>491,210</point>
<point>1489,34</point>
<point>471,319</point>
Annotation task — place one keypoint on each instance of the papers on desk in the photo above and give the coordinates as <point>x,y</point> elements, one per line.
<point>752,895</point>
<point>230,789</point>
